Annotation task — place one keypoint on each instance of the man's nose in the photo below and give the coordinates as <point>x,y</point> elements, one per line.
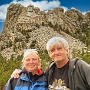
<point>56,51</point>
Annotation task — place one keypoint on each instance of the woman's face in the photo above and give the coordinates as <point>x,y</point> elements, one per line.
<point>31,63</point>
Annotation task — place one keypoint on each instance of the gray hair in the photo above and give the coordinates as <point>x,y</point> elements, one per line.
<point>57,41</point>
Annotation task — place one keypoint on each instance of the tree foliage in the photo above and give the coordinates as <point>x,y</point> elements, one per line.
<point>7,67</point>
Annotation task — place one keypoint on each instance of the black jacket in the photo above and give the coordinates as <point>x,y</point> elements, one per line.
<point>78,74</point>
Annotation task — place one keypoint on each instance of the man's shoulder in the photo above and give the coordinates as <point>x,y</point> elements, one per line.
<point>76,60</point>
<point>51,64</point>
<point>73,62</point>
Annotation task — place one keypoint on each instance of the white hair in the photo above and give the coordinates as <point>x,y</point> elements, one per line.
<point>57,41</point>
<point>29,51</point>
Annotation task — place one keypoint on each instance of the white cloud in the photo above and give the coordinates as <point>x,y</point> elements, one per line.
<point>43,5</point>
<point>75,8</point>
<point>3,10</point>
<point>65,8</point>
<point>84,13</point>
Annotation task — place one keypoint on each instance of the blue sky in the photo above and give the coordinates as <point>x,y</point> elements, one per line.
<point>81,5</point>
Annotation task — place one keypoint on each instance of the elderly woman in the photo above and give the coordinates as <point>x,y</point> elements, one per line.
<point>31,77</point>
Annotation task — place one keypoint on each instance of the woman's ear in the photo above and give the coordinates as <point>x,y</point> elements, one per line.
<point>39,65</point>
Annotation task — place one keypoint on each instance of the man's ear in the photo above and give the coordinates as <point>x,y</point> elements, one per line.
<point>67,51</point>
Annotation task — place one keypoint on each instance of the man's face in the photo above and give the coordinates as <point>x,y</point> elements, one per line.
<point>58,53</point>
<point>31,63</point>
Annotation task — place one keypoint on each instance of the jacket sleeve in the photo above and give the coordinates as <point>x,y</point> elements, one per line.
<point>85,71</point>
<point>8,85</point>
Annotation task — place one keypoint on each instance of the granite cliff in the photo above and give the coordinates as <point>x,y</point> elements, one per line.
<point>29,27</point>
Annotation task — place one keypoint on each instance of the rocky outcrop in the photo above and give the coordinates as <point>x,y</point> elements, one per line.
<point>23,25</point>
